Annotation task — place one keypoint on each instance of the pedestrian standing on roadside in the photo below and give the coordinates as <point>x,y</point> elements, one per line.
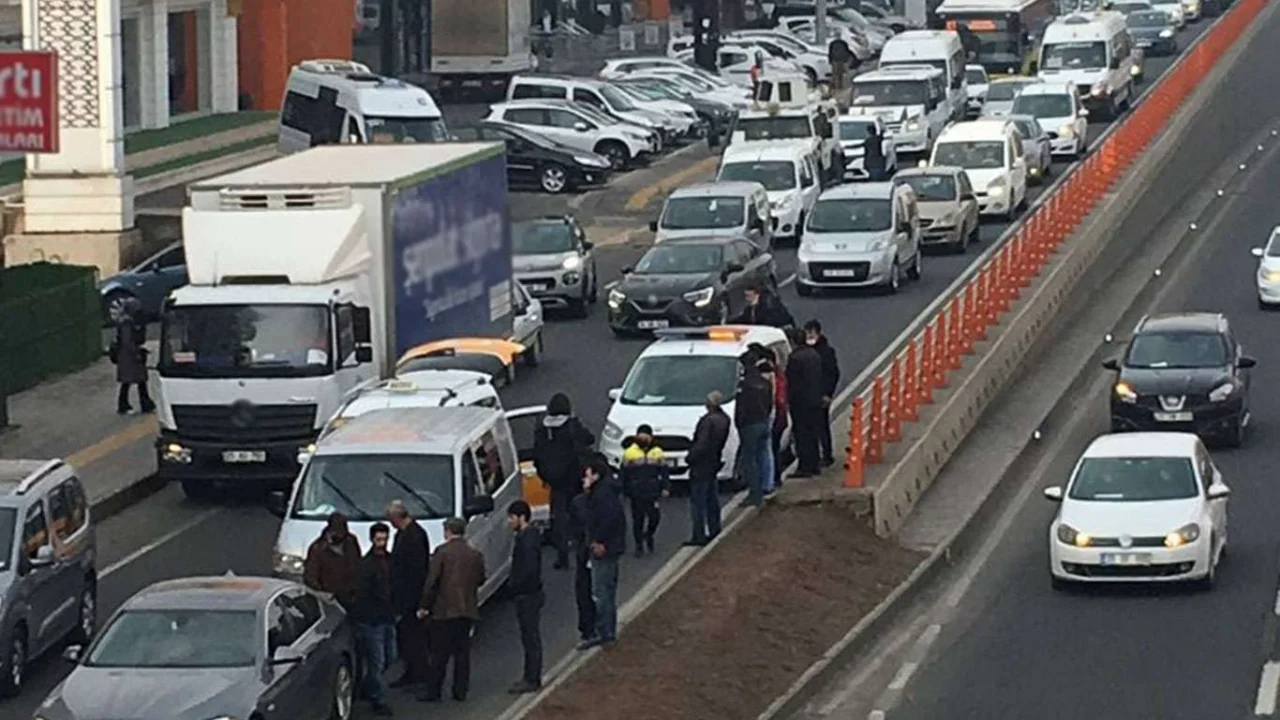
<point>873,159</point>
<point>451,601</point>
<point>410,559</point>
<point>525,586</point>
<point>560,446</point>
<point>830,383</point>
<point>645,480</point>
<point>705,459</point>
<point>763,308</point>
<point>129,354</point>
<point>839,55</point>
<point>806,390</point>
<point>607,541</point>
<point>751,415</point>
<point>375,616</point>
<point>333,562</point>
<point>582,569</point>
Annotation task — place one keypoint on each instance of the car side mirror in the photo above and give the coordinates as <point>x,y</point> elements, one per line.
<point>615,393</point>
<point>1218,491</point>
<point>362,325</point>
<point>1084,112</point>
<point>478,505</point>
<point>653,226</point>
<point>72,653</point>
<point>627,270</point>
<point>580,126</point>
<point>967,197</point>
<point>1111,364</point>
<point>1053,493</point>
<point>1246,362</point>
<point>588,246</point>
<point>44,557</point>
<point>277,502</point>
<point>1256,252</point>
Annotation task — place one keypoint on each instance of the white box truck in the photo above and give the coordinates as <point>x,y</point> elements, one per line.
<point>478,45</point>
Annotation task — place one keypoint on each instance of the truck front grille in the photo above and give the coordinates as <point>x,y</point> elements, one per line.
<point>246,423</point>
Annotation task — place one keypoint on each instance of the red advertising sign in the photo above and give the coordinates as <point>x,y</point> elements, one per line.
<point>28,101</point>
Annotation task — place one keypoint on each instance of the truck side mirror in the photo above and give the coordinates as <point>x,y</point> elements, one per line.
<point>364,354</point>
<point>362,325</point>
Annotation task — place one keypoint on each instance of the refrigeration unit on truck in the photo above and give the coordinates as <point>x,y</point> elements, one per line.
<point>311,274</point>
<point>478,45</point>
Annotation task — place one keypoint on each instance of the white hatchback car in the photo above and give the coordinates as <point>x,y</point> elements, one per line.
<point>1058,109</point>
<point>1140,507</point>
<point>1268,277</point>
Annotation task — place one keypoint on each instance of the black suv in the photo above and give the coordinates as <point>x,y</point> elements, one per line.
<point>1183,372</point>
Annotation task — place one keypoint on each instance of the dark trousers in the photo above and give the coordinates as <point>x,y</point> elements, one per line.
<point>704,506</point>
<point>582,595</point>
<point>604,591</point>
<point>144,398</point>
<point>529,618</point>
<point>824,434</point>
<point>560,502</point>
<point>450,640</point>
<point>778,465</point>
<point>646,513</point>
<point>807,428</point>
<point>414,645</point>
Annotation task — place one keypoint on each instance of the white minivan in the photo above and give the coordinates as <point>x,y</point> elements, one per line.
<point>991,152</point>
<point>1095,53</point>
<point>787,172</point>
<point>941,49</point>
<point>440,462</point>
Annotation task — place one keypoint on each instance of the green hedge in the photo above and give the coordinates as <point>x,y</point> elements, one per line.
<point>50,323</point>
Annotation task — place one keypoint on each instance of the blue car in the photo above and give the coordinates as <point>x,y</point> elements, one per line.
<point>149,282</point>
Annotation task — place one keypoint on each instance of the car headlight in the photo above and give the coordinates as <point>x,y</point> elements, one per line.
<point>573,262</point>
<point>913,123</point>
<point>287,563</point>
<point>612,431</point>
<point>1125,392</point>
<point>996,187</point>
<point>1222,392</point>
<point>616,298</point>
<point>1166,33</point>
<point>1184,535</point>
<point>1270,275</point>
<point>1135,70</point>
<point>1067,130</point>
<point>700,298</point>
<point>1071,536</point>
<point>946,221</point>
<point>785,203</point>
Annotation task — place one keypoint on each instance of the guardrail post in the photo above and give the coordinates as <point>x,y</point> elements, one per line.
<point>927,376</point>
<point>1021,261</point>
<point>940,362</point>
<point>875,436</point>
<point>855,454</point>
<point>911,385</point>
<point>892,415</point>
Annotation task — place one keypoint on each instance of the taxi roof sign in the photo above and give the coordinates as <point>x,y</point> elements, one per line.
<point>730,333</point>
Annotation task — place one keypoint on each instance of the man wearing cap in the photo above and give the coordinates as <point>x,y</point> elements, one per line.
<point>644,481</point>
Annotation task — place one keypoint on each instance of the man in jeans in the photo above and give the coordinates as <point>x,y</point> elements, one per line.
<point>751,415</point>
<point>704,460</point>
<point>607,541</point>
<point>375,616</point>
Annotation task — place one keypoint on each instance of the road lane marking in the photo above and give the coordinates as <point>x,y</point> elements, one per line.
<point>141,428</point>
<point>1276,610</point>
<point>145,549</point>
<point>864,674</point>
<point>904,674</point>
<point>927,637</point>
<point>1267,687</point>
<point>875,715</point>
<point>641,198</point>
<point>787,280</point>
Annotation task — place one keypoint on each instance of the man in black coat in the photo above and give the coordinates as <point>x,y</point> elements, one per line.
<point>560,445</point>
<point>763,308</point>
<point>607,541</point>
<point>805,391</point>
<point>873,159</point>
<point>830,383</point>
<point>704,460</point>
<point>375,616</point>
<point>525,586</point>
<point>840,57</point>
<point>410,560</point>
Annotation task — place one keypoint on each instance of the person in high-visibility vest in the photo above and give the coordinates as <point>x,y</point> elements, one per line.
<point>645,480</point>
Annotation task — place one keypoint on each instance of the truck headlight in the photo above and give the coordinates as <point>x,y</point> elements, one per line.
<point>700,298</point>
<point>616,298</point>
<point>287,563</point>
<point>913,123</point>
<point>1222,392</point>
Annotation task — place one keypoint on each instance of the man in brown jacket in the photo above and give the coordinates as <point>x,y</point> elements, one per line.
<point>451,601</point>
<point>333,562</point>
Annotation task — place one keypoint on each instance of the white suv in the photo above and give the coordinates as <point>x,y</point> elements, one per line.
<point>603,96</point>
<point>582,127</point>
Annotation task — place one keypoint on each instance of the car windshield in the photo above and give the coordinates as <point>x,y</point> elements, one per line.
<point>223,341</point>
<point>854,130</point>
<point>772,128</point>
<point>1075,56</point>
<point>981,155</point>
<point>1273,246</point>
<point>930,187</point>
<point>1177,350</point>
<point>1005,91</point>
<point>1148,18</point>
<point>617,99</point>
<point>851,215</point>
<point>882,93</point>
<point>542,237</point>
<point>1043,106</point>
<point>1135,479</point>
<point>680,380</point>
<point>1029,129</point>
<point>406,129</point>
<point>8,516</point>
<point>702,213</point>
<point>1128,8</point>
<point>177,639</point>
<point>773,174</point>
<point>975,76</point>
<point>676,258</point>
<point>360,486</point>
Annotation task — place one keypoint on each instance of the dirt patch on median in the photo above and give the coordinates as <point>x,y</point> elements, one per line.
<point>742,625</point>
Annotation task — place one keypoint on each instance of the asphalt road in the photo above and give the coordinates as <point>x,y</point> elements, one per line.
<point>582,358</point>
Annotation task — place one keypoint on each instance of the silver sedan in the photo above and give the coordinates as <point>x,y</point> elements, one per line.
<point>214,647</point>
<point>1036,146</point>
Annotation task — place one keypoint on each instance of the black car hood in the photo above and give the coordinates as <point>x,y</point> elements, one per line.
<point>664,286</point>
<point>1148,32</point>
<point>1175,381</point>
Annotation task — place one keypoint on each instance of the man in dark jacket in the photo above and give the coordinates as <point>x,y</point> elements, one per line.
<point>525,586</point>
<point>607,541</point>
<point>130,357</point>
<point>560,445</point>
<point>645,479</point>
<point>582,569</point>
<point>830,383</point>
<point>375,616</point>
<point>333,562</point>
<point>763,308</point>
<point>873,154</point>
<point>752,412</point>
<point>704,460</point>
<point>451,601</point>
<point>806,390</point>
<point>410,558</point>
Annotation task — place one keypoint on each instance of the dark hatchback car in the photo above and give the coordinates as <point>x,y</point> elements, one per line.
<point>537,161</point>
<point>1153,31</point>
<point>149,283</point>
<point>688,283</point>
<point>1183,372</point>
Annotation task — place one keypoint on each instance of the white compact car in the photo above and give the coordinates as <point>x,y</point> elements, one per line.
<point>788,173</point>
<point>976,89</point>
<point>1057,107</point>
<point>991,152</point>
<point>1140,507</point>
<point>861,235</point>
<point>1269,271</point>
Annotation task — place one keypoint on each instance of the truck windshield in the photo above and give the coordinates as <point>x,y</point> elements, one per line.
<point>224,341</point>
<point>361,486</point>
<point>390,130</point>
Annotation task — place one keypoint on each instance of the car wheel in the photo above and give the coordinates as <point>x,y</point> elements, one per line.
<point>975,235</point>
<point>344,692</point>
<point>533,354</point>
<point>1262,305</point>
<point>917,266</point>
<point>800,228</point>
<point>15,664</point>
<point>113,305</point>
<point>593,296</point>
<point>961,245</point>
<point>616,152</point>
<point>553,179</point>
<point>87,613</point>
<point>198,490</point>
<point>804,290</point>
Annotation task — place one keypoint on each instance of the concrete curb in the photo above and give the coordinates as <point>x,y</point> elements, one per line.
<point>203,169</point>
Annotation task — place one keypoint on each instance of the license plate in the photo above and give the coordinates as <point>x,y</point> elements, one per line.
<point>1126,558</point>
<point>538,287</point>
<point>1144,43</point>
<point>244,456</point>
<point>840,273</point>
<point>1173,417</point>
<point>653,324</point>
